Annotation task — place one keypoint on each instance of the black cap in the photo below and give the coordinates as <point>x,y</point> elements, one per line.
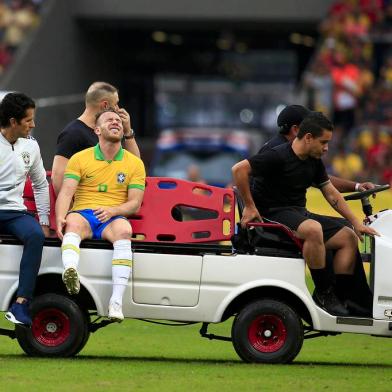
<point>291,115</point>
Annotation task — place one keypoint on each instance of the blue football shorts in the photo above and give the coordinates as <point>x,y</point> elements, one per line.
<point>96,225</point>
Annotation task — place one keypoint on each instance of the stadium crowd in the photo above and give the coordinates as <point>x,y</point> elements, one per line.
<point>350,79</point>
<point>17,19</point>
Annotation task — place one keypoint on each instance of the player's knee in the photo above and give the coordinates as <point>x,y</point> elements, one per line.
<point>124,233</point>
<point>350,238</point>
<point>311,230</point>
<point>74,227</point>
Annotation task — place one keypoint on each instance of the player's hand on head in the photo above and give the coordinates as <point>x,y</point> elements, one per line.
<point>126,119</point>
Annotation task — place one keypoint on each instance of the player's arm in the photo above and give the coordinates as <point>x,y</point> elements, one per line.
<point>129,142</point>
<point>41,191</point>
<point>130,207</point>
<point>63,203</point>
<point>241,172</point>
<point>58,169</point>
<point>133,204</point>
<point>343,185</point>
<point>68,144</point>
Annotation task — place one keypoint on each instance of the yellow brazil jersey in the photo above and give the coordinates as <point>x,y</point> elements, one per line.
<point>101,182</point>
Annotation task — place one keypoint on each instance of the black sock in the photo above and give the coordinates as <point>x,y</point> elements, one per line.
<point>322,278</point>
<point>349,291</point>
<point>348,287</point>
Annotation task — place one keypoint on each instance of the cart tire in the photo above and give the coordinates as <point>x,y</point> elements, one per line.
<point>267,331</point>
<point>86,334</point>
<point>59,328</point>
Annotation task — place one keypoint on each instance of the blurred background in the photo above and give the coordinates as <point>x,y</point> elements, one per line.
<point>204,81</point>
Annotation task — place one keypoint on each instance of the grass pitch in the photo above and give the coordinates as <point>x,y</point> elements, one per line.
<point>136,356</point>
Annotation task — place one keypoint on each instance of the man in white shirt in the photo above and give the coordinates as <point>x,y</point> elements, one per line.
<point>20,157</point>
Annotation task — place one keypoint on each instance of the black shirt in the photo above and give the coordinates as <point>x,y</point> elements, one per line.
<point>75,137</point>
<point>281,178</point>
<point>275,141</point>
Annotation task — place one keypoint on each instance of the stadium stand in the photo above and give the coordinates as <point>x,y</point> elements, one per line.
<point>350,78</point>
<point>17,19</point>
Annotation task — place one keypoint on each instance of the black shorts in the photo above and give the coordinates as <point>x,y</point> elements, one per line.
<point>292,217</point>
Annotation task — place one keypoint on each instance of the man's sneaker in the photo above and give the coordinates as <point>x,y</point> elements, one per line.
<point>19,314</point>
<point>357,309</point>
<point>71,280</point>
<point>115,312</point>
<point>327,300</point>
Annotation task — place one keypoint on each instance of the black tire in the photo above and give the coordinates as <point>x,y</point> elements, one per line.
<point>59,328</point>
<point>86,333</point>
<point>267,331</point>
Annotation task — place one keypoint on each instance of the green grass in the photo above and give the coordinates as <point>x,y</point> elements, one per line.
<point>142,357</point>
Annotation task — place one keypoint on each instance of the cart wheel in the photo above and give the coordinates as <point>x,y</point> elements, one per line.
<point>267,331</point>
<point>86,333</point>
<point>59,329</point>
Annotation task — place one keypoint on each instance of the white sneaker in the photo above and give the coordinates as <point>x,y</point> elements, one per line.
<point>71,280</point>
<point>115,312</point>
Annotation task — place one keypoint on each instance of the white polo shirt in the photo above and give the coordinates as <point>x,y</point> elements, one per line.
<point>17,161</point>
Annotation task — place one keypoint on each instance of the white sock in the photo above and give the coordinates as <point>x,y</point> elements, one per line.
<point>121,269</point>
<point>70,250</point>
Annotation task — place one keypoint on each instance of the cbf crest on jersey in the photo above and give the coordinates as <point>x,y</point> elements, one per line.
<point>121,177</point>
<point>26,158</point>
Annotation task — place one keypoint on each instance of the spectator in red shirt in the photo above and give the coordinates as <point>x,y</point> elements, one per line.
<point>347,89</point>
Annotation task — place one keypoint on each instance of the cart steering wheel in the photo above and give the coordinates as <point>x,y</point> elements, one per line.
<point>364,197</point>
<point>368,192</point>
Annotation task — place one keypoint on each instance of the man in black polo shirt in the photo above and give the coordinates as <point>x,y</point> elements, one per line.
<point>79,134</point>
<point>288,122</point>
<point>285,173</point>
